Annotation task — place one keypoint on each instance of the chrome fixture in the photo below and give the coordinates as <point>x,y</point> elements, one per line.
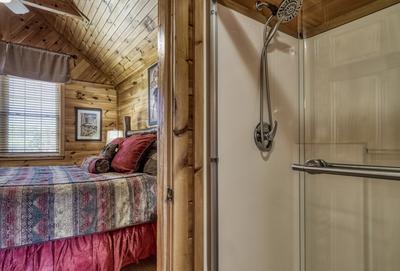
<point>319,166</point>
<point>265,132</point>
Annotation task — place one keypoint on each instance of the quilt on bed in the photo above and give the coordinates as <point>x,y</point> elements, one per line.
<point>47,203</point>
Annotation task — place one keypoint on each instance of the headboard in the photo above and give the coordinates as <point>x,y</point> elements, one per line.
<point>129,132</point>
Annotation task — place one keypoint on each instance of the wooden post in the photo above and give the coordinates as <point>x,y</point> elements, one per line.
<point>127,124</point>
<point>180,221</point>
<point>199,89</point>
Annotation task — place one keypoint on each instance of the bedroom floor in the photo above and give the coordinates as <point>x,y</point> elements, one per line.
<point>147,265</point>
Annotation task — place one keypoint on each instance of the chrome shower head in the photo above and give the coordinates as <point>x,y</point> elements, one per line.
<point>288,10</point>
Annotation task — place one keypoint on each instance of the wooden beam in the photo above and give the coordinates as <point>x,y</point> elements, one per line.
<point>198,147</point>
<point>56,7</point>
<point>165,164</point>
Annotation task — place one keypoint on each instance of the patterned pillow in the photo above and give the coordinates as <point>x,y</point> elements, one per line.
<point>109,151</point>
<point>150,167</point>
<point>96,164</point>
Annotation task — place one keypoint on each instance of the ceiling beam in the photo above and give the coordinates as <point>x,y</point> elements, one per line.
<point>57,7</point>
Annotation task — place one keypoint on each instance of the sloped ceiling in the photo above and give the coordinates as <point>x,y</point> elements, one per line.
<point>120,37</point>
<point>31,29</point>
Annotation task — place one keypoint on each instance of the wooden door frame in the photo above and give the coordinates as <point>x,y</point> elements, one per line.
<point>180,236</point>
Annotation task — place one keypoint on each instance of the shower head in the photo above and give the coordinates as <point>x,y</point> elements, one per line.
<point>286,11</point>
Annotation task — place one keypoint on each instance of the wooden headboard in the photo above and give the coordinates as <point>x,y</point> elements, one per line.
<point>129,132</point>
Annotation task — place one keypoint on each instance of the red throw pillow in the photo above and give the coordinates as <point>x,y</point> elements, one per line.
<point>130,151</point>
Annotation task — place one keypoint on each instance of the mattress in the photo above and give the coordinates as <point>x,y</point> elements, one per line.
<point>39,204</point>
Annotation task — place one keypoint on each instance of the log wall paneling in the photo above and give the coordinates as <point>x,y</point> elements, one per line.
<point>80,94</point>
<point>182,138</point>
<point>180,126</point>
<point>317,16</point>
<point>133,97</point>
<point>164,178</point>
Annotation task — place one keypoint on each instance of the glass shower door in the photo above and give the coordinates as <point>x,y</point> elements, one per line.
<point>352,115</point>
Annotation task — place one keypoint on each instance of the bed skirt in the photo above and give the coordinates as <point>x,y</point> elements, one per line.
<point>108,251</point>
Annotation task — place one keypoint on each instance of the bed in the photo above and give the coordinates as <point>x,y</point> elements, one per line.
<point>40,204</point>
<point>64,218</point>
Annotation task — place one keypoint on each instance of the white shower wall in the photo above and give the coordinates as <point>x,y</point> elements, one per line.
<point>352,93</point>
<point>258,196</point>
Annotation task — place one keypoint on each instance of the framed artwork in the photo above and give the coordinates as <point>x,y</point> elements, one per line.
<point>153,92</point>
<point>88,124</point>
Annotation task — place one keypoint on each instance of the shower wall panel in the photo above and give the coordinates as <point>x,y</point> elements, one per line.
<point>352,97</point>
<point>258,194</point>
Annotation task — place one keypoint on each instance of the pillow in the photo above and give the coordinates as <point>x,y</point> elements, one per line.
<point>130,151</point>
<point>152,149</point>
<point>109,150</point>
<point>96,164</point>
<point>150,167</point>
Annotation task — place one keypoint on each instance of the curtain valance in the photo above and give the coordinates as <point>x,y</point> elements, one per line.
<point>33,63</point>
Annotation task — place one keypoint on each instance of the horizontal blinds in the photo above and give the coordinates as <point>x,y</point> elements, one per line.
<point>29,116</point>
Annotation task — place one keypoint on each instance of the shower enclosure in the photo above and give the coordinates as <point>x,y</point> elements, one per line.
<point>351,96</point>
<point>326,197</point>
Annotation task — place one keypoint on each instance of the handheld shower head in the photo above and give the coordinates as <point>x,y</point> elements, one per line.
<point>265,131</point>
<point>288,10</point>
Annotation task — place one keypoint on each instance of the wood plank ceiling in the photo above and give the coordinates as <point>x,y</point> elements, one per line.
<point>317,16</point>
<point>120,37</point>
<point>32,30</point>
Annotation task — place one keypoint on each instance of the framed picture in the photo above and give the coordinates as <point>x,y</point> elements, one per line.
<point>88,124</point>
<point>153,94</point>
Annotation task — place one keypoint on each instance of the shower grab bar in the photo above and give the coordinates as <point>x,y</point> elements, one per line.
<point>318,166</point>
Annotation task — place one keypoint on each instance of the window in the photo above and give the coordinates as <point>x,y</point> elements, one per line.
<point>29,117</point>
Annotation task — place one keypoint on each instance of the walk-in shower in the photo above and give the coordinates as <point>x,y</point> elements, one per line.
<point>264,133</point>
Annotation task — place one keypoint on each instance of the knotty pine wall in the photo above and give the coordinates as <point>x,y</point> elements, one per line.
<point>80,94</point>
<point>90,86</point>
<point>133,100</point>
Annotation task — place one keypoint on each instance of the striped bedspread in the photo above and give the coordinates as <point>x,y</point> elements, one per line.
<point>46,203</point>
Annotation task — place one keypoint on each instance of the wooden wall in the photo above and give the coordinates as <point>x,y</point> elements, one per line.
<point>133,99</point>
<point>80,94</point>
<point>90,87</point>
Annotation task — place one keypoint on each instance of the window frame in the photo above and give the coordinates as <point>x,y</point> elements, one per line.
<point>42,155</point>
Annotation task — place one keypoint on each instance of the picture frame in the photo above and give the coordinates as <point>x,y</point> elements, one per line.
<point>153,95</point>
<point>88,124</point>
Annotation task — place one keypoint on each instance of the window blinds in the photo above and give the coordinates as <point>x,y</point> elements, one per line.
<point>29,116</point>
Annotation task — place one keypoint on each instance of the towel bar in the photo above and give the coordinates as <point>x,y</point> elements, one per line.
<point>319,166</point>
